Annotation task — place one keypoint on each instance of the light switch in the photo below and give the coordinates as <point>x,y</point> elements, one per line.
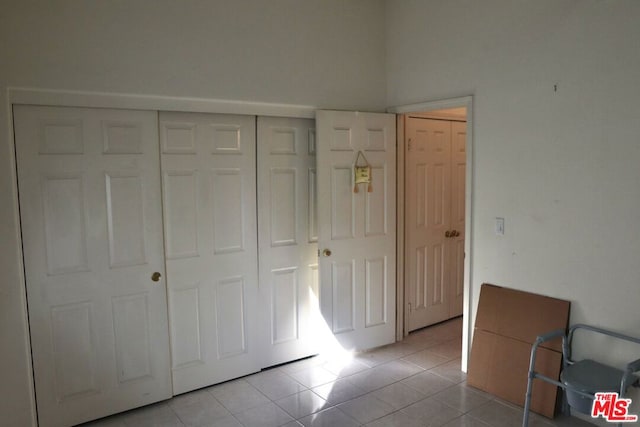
<point>500,226</point>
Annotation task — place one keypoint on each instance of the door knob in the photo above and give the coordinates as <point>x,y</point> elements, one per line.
<point>455,233</point>
<point>447,233</point>
<point>156,276</point>
<point>326,252</point>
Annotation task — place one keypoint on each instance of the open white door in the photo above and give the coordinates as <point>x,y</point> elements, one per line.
<point>357,231</point>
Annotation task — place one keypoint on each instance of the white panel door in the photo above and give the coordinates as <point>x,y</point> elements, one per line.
<point>456,243</point>
<point>428,185</point>
<point>357,231</point>
<point>89,185</point>
<point>287,239</point>
<point>435,178</point>
<point>209,188</point>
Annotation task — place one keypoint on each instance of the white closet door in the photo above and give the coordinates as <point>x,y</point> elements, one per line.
<point>456,254</point>
<point>435,212</point>
<point>89,185</point>
<point>357,231</point>
<point>287,239</point>
<point>209,188</point>
<point>428,220</point>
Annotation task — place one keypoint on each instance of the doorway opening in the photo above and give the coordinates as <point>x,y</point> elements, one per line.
<point>434,175</point>
<point>434,227</point>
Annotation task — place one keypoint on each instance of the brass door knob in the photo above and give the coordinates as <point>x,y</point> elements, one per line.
<point>156,276</point>
<point>326,252</point>
<point>456,233</point>
<point>447,233</point>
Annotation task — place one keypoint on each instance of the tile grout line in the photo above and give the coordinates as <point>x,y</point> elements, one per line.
<point>377,360</point>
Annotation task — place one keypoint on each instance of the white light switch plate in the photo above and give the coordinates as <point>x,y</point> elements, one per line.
<point>500,226</point>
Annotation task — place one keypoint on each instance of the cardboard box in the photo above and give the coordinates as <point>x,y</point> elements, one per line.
<point>499,365</point>
<point>507,324</point>
<point>521,315</point>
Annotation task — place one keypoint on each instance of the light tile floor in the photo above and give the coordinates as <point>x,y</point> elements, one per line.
<point>415,382</point>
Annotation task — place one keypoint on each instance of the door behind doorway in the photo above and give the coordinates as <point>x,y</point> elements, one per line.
<point>435,167</point>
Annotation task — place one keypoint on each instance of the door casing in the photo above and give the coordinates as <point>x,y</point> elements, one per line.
<point>401,312</point>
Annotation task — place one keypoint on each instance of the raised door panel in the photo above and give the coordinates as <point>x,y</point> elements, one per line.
<point>132,336</point>
<point>418,183</point>
<point>178,138</point>
<point>228,209</point>
<point>312,202</point>
<point>74,350</point>
<point>122,137</point>
<point>208,163</point>
<point>284,305</point>
<point>282,140</point>
<point>343,284</point>
<point>287,231</point>
<point>436,276</point>
<point>377,138</point>
<point>125,219</point>
<point>341,137</point>
<point>343,219</point>
<point>184,306</point>
<point>65,223</point>
<point>438,193</point>
<point>375,291</point>
<point>419,291</point>
<point>376,205</point>
<point>284,215</point>
<point>60,135</point>
<point>91,216</point>
<point>226,138</point>
<point>181,213</point>
<point>231,324</point>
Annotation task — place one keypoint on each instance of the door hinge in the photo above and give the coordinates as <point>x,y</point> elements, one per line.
<point>409,307</point>
<point>409,145</point>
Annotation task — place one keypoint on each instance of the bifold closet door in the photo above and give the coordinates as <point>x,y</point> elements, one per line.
<point>91,217</point>
<point>209,189</point>
<point>287,239</point>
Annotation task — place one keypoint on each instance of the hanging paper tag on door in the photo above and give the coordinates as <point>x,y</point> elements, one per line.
<point>362,174</point>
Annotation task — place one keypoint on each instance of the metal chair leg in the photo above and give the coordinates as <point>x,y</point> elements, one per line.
<point>527,401</point>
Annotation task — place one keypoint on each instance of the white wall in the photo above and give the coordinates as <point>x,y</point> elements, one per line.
<point>325,53</point>
<point>562,168</point>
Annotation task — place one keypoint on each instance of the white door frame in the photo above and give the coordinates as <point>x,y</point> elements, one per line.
<point>402,314</point>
